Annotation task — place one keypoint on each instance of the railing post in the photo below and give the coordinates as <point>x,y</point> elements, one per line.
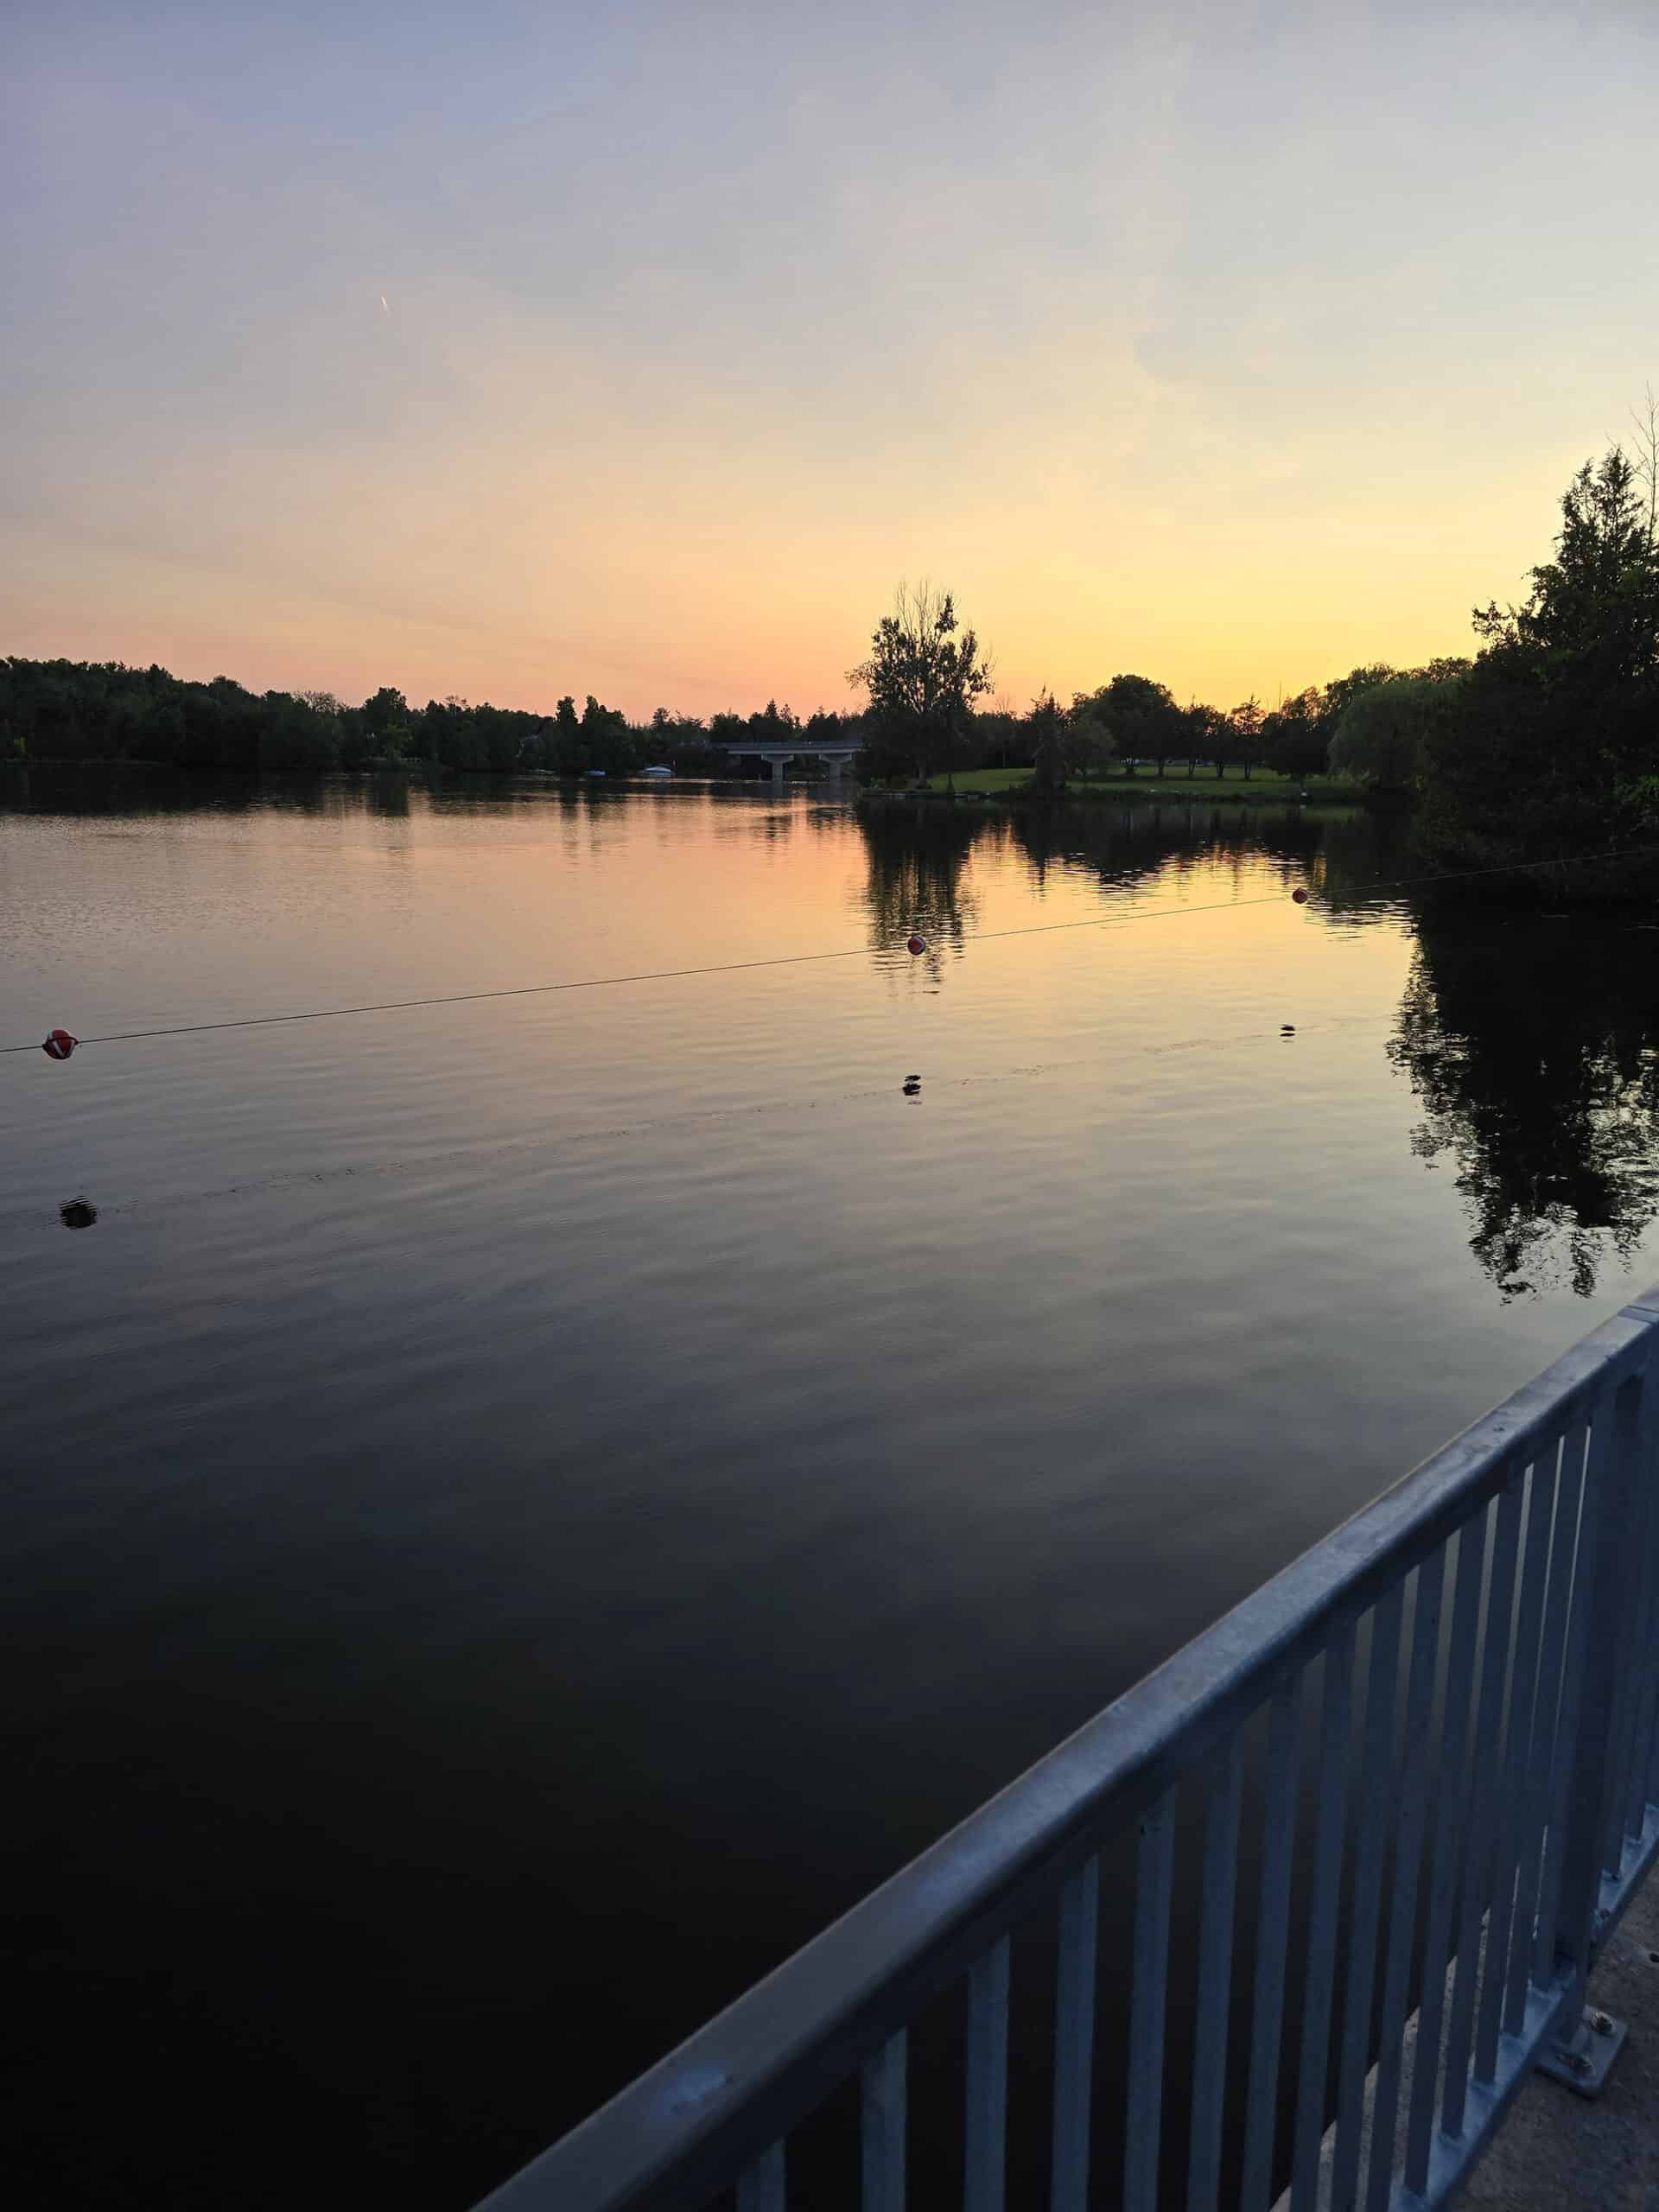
<point>1564,1708</point>
<point>1581,2050</point>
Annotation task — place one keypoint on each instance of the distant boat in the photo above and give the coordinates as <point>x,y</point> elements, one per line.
<point>656,771</point>
<point>599,772</point>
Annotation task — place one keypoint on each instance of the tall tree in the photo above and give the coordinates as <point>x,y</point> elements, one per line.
<point>1091,742</point>
<point>1246,720</point>
<point>1145,722</point>
<point>1206,729</point>
<point>1058,741</point>
<point>922,677</point>
<point>1294,736</point>
<point>1591,618</point>
<point>1554,727</point>
<point>1380,739</point>
<point>774,725</point>
<point>605,738</point>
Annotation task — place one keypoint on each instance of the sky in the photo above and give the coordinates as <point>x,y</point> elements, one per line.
<point>503,350</point>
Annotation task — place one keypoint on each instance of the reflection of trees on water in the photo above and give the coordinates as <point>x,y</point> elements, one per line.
<point>916,856</point>
<point>1533,1046</point>
<point>387,796</point>
<point>1359,858</point>
<point>1123,845</point>
<point>1345,854</point>
<point>91,790</point>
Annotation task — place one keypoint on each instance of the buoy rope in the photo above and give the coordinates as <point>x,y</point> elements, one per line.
<point>804,959</point>
<point>647,1123</point>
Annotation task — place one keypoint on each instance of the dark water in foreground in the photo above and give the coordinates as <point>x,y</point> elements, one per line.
<point>516,1513</point>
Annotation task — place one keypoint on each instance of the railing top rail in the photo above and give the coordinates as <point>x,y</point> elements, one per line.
<point>677,2132</point>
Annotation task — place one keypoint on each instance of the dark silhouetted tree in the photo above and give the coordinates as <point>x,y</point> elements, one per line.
<point>1246,720</point>
<point>1143,718</point>
<point>924,675</point>
<point>1380,740</point>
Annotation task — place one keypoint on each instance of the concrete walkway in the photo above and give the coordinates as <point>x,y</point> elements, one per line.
<point>1555,2151</point>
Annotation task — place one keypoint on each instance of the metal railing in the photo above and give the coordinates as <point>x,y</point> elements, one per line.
<point>1444,1721</point>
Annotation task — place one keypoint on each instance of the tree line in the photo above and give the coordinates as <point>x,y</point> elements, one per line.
<point>1542,745</point>
<point>1543,742</point>
<point>927,716</point>
<point>1546,745</point>
<point>105,711</point>
<point>927,679</point>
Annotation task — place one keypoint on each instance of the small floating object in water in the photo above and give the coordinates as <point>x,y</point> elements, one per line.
<point>78,1213</point>
<point>1299,896</point>
<point>1286,1029</point>
<point>919,945</point>
<point>59,1044</point>
<point>913,1086</point>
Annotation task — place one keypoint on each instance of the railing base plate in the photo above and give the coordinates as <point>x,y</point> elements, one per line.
<point>1585,2059</point>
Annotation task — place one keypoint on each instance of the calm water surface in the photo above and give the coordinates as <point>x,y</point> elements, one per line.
<point>517,1512</point>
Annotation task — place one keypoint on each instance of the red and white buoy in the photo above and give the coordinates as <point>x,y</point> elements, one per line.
<point>59,1044</point>
<point>919,945</point>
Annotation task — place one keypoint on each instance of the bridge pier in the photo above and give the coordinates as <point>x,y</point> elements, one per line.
<point>778,759</point>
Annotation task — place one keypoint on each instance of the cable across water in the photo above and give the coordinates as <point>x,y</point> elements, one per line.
<point>798,959</point>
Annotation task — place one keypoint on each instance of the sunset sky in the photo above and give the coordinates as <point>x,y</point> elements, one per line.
<point>509,351</point>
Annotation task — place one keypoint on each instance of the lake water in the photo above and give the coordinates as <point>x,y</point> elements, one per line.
<point>516,1512</point>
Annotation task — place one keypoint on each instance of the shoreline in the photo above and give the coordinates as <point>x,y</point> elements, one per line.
<point>1167,792</point>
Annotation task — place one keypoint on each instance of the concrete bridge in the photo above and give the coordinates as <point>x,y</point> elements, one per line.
<point>834,752</point>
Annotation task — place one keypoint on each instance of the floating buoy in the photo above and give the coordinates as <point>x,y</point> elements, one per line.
<point>1299,896</point>
<point>78,1213</point>
<point>916,944</point>
<point>1286,1029</point>
<point>59,1044</point>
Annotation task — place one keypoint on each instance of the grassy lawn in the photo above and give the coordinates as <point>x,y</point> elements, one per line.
<point>985,780</point>
<point>1264,784</point>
